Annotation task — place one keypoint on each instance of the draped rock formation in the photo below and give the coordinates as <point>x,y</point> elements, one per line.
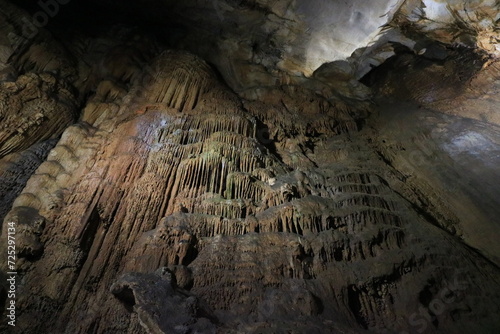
<point>150,197</point>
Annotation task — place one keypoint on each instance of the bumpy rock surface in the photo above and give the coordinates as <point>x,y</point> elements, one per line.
<point>170,204</point>
<point>258,43</point>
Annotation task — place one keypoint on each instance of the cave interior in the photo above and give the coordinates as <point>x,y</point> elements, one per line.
<point>250,166</point>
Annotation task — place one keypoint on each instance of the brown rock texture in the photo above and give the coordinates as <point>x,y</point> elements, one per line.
<point>171,204</point>
<point>267,237</point>
<point>15,170</point>
<point>37,99</point>
<point>34,108</point>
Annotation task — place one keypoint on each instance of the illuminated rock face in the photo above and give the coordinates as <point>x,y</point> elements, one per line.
<point>173,205</point>
<point>38,101</point>
<point>178,179</point>
<point>261,43</point>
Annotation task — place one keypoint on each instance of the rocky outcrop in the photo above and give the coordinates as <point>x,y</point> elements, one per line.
<point>479,97</point>
<point>159,307</point>
<point>170,204</point>
<point>263,232</point>
<point>38,100</point>
<point>15,170</point>
<point>450,22</point>
<point>34,108</point>
<point>462,83</point>
<point>258,44</point>
<point>451,103</point>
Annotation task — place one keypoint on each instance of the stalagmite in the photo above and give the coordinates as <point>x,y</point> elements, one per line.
<point>150,196</point>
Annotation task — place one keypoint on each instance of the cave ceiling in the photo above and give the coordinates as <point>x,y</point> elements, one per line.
<point>261,43</point>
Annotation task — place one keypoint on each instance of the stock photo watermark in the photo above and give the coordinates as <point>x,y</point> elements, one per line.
<point>11,273</point>
<point>442,302</point>
<point>30,26</point>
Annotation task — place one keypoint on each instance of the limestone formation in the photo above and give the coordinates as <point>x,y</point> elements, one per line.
<point>155,192</point>
<point>34,108</point>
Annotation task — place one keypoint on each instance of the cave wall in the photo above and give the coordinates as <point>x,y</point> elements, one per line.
<point>150,197</point>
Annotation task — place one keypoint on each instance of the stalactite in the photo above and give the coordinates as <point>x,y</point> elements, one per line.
<point>30,112</point>
<point>184,176</point>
